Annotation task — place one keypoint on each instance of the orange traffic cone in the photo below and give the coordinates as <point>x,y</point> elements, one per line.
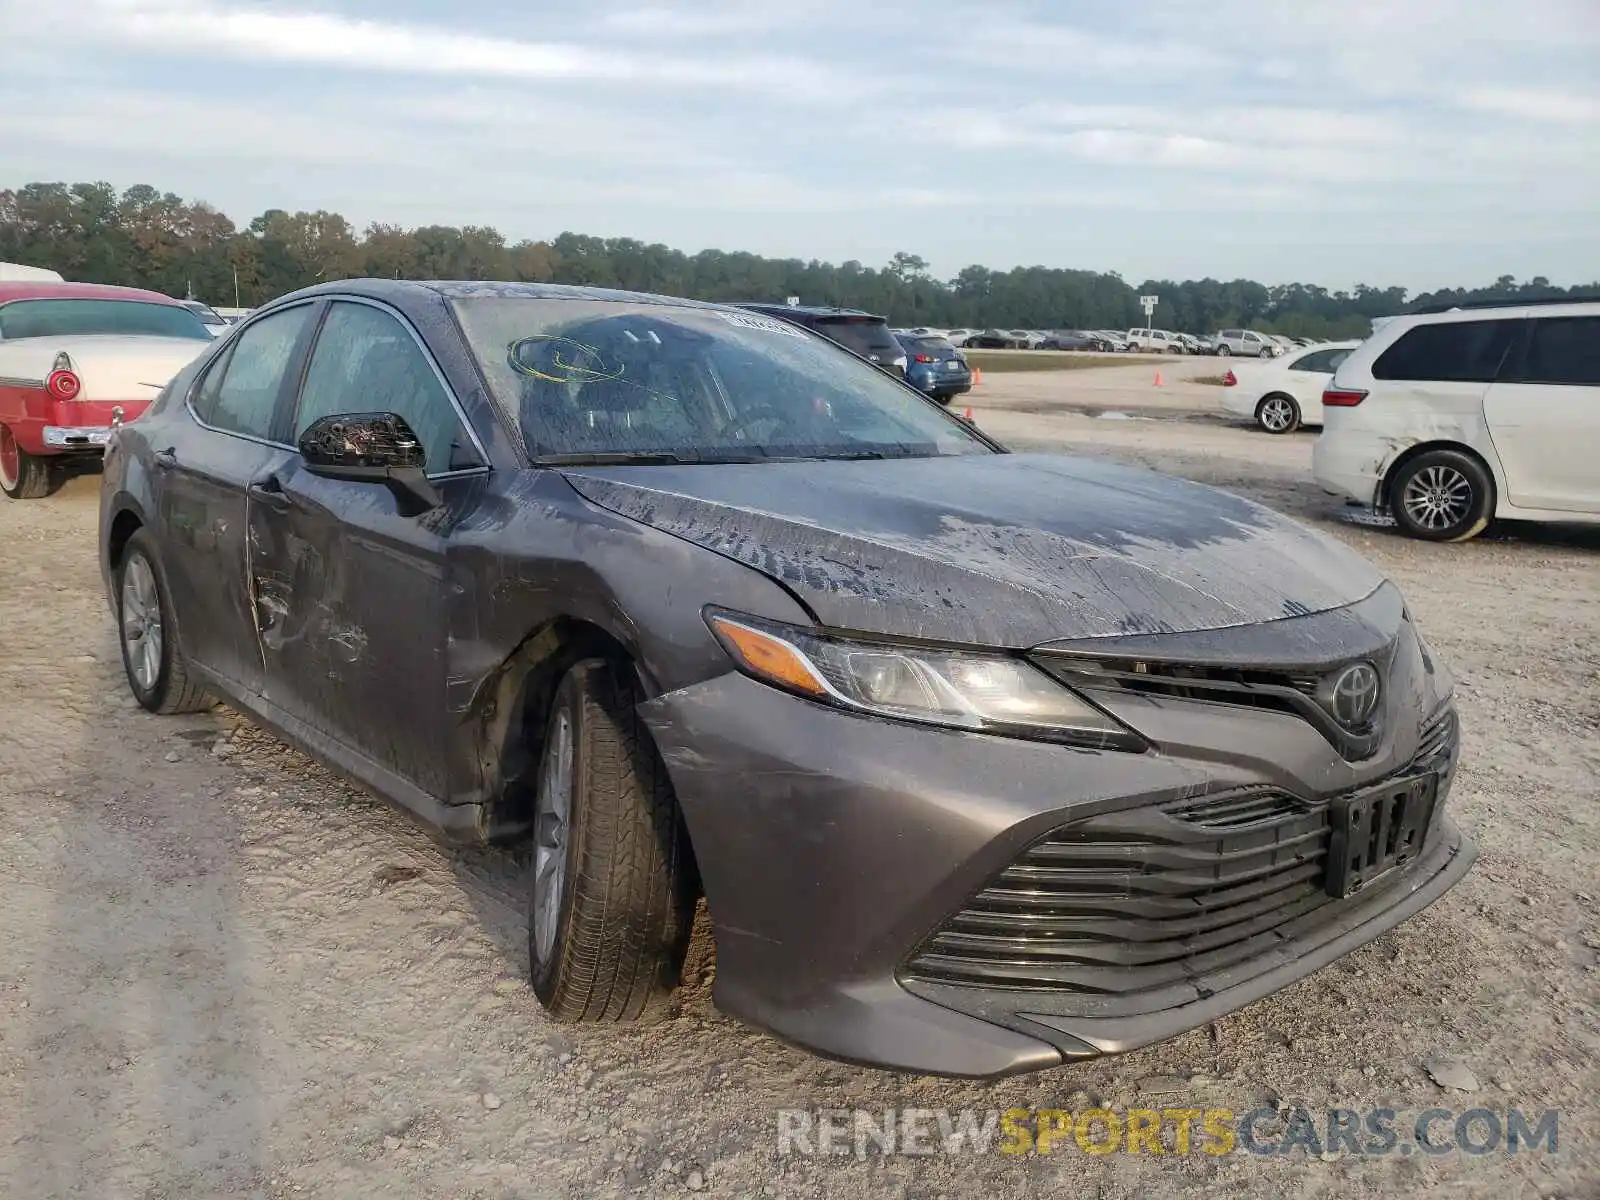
<point>977,376</point>
<point>1158,380</point>
<point>967,416</point>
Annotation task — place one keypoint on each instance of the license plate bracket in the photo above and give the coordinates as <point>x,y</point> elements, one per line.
<point>1377,831</point>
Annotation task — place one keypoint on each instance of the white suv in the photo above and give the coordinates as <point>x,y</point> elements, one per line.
<point>1452,418</point>
<point>1247,342</point>
<point>1155,341</point>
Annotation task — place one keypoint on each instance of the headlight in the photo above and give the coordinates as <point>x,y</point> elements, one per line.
<point>986,693</point>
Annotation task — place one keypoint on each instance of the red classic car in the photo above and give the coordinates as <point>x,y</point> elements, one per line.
<point>76,359</point>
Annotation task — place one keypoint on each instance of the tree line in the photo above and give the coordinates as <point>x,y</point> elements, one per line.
<point>158,240</point>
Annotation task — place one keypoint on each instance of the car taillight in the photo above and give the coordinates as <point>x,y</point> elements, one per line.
<point>1342,397</point>
<point>63,385</point>
<point>926,358</point>
<point>1230,379</point>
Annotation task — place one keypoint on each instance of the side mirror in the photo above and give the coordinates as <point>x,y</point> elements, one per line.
<point>376,447</point>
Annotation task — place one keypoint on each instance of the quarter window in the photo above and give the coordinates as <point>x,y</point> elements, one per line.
<point>366,361</point>
<point>240,393</point>
<point>1448,352</point>
<point>1563,350</point>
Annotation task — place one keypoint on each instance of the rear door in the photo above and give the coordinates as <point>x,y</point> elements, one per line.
<point>200,469</point>
<point>351,593</point>
<point>1544,416</point>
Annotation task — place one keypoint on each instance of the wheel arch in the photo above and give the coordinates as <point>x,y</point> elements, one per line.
<point>516,705</point>
<point>1411,453</point>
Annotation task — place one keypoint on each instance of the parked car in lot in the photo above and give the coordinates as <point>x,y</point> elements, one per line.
<point>1155,341</point>
<point>1449,419</point>
<point>75,358</point>
<point>1282,394</point>
<point>1076,339</point>
<point>1119,342</point>
<point>1202,344</point>
<point>958,337</point>
<point>934,366</point>
<point>216,324</point>
<point>983,761</point>
<point>859,332</point>
<point>1246,342</point>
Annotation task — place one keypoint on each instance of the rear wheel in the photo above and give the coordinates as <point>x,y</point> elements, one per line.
<point>23,476</point>
<point>1278,413</point>
<point>152,652</point>
<point>1223,352</point>
<point>1442,496</point>
<point>612,904</point>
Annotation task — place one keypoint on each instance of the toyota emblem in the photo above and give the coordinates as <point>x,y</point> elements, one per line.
<point>1353,694</point>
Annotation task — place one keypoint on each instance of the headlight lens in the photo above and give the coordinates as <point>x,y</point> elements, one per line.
<point>988,693</point>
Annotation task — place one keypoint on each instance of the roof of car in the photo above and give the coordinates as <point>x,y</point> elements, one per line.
<point>808,310</point>
<point>456,289</point>
<point>45,290</point>
<point>1510,305</point>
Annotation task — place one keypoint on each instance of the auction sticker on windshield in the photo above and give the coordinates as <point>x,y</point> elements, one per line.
<point>765,324</point>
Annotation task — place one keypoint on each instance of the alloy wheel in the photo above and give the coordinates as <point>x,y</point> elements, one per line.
<point>1277,414</point>
<point>552,820</point>
<point>141,623</point>
<point>1438,497</point>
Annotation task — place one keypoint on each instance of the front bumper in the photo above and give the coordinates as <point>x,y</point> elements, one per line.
<point>832,846</point>
<point>76,437</point>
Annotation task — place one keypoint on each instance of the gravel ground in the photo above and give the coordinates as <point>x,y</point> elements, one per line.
<point>225,972</point>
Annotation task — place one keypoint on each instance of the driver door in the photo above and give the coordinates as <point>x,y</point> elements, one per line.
<point>351,592</point>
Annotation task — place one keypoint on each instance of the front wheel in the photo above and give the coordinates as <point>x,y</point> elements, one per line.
<point>1278,414</point>
<point>1223,352</point>
<point>1442,496</point>
<point>23,476</point>
<point>612,903</point>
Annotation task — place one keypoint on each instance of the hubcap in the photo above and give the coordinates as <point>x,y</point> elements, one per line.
<point>551,819</point>
<point>1277,414</point>
<point>141,623</point>
<point>10,459</point>
<point>1438,497</point>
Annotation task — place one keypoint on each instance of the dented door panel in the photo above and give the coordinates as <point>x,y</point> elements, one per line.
<point>349,604</point>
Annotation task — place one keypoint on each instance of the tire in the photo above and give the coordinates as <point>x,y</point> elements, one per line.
<point>1278,413</point>
<point>158,673</point>
<point>23,476</point>
<point>1223,352</point>
<point>1442,496</point>
<point>611,906</point>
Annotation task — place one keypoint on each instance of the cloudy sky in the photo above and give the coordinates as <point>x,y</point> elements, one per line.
<point>1413,142</point>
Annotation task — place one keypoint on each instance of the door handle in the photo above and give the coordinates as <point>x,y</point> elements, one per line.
<point>268,493</point>
<point>165,458</point>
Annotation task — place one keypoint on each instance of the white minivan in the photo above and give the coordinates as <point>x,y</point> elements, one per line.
<point>1450,419</point>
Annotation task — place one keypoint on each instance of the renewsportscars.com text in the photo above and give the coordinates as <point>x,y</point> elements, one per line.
<point>863,1133</point>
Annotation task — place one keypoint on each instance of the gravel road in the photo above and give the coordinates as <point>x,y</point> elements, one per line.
<point>225,972</point>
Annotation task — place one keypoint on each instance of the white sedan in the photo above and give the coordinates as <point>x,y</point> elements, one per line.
<point>1282,394</point>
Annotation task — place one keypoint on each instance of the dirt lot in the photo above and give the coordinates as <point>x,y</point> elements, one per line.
<point>224,972</point>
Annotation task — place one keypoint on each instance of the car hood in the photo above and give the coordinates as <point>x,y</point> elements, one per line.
<point>1002,550</point>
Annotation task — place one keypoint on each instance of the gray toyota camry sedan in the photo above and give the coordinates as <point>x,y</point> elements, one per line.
<point>982,761</point>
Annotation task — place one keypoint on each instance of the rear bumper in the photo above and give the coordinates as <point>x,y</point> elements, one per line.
<point>831,846</point>
<point>1349,465</point>
<point>76,437</point>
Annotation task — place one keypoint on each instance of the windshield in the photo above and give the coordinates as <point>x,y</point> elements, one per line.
<point>597,377</point>
<point>58,318</point>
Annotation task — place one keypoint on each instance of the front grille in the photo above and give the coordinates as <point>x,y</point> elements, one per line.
<point>1297,692</point>
<point>1438,735</point>
<point>1236,809</point>
<point>1133,901</point>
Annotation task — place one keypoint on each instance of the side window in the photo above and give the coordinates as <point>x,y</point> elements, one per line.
<point>240,392</point>
<point>1448,352</point>
<point>1323,362</point>
<point>1563,350</point>
<point>1231,335</point>
<point>365,360</point>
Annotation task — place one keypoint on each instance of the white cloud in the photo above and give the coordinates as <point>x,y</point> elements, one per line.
<point>1002,131</point>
